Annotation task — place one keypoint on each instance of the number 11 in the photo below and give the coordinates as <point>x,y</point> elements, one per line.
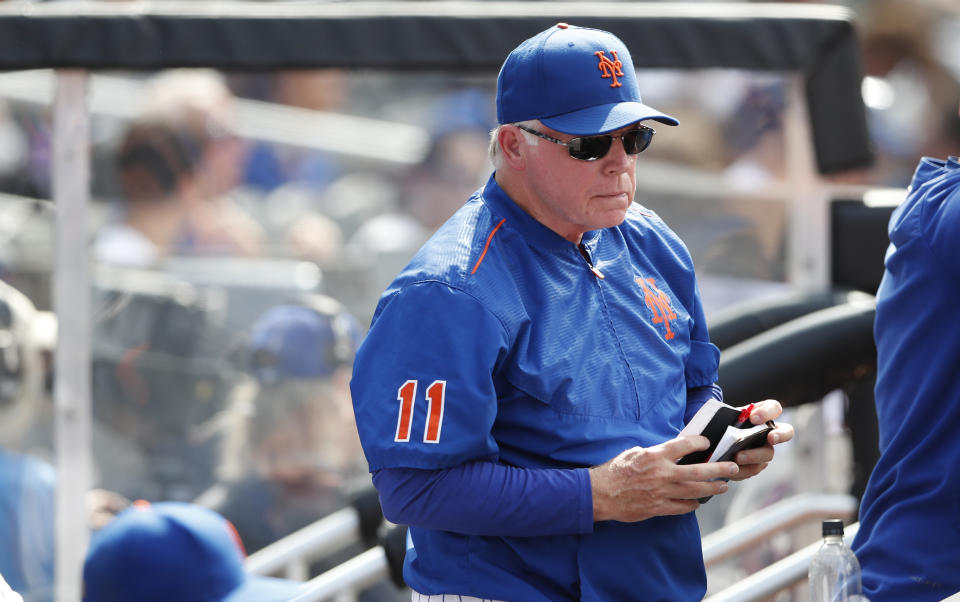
<point>406,395</point>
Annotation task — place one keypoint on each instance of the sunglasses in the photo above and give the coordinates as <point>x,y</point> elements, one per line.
<point>591,148</point>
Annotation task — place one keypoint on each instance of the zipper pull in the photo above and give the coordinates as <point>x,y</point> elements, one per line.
<point>586,256</point>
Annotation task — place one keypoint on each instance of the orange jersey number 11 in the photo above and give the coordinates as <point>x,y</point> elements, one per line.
<point>406,395</point>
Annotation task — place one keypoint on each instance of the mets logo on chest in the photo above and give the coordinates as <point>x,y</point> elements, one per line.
<point>659,304</point>
<point>610,68</point>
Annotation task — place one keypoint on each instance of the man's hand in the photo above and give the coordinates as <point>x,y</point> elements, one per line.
<point>641,483</point>
<point>753,461</point>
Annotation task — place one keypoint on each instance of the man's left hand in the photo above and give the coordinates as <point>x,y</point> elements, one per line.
<point>753,461</point>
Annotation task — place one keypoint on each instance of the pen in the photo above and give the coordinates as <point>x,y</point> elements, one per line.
<point>744,416</point>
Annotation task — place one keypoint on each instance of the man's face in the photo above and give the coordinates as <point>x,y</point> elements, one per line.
<point>573,196</point>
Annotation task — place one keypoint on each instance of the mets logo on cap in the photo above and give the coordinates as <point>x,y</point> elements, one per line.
<point>610,69</point>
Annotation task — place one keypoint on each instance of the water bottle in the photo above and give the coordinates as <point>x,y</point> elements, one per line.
<point>834,571</point>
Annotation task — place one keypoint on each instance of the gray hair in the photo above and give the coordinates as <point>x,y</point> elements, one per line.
<point>494,150</point>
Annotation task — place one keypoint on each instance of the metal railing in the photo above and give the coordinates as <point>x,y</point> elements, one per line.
<point>342,582</point>
<point>780,575</point>
<point>781,516</point>
<point>291,554</point>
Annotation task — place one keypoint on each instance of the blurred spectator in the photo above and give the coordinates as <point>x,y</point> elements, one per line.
<point>291,178</point>
<point>26,531</point>
<point>314,237</point>
<point>296,227</point>
<point>27,483</point>
<point>198,106</point>
<point>27,479</point>
<point>25,152</point>
<point>173,551</point>
<point>455,166</point>
<point>159,377</point>
<point>154,163</point>
<point>755,135</point>
<point>909,90</point>
<point>270,166</point>
<point>291,455</point>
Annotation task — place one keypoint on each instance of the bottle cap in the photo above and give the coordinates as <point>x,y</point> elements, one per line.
<point>832,526</point>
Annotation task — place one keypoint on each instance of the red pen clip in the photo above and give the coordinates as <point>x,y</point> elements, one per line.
<point>744,415</point>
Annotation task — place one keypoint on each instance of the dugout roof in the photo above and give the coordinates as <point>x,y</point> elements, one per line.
<point>818,42</point>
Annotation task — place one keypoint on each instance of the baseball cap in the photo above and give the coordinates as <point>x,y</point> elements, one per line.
<point>173,551</point>
<point>296,341</point>
<point>575,80</point>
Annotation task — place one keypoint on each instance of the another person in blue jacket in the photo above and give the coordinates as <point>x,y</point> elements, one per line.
<point>908,543</point>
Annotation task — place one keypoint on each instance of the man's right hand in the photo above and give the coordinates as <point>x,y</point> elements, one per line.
<point>641,483</point>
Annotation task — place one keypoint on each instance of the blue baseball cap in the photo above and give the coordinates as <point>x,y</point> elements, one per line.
<point>174,551</point>
<point>294,341</point>
<point>575,80</point>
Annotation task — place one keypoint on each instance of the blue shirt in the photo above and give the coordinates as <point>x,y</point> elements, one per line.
<point>908,543</point>
<point>498,343</point>
<point>27,490</point>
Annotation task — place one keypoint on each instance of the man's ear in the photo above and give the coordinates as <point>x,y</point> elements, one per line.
<point>512,147</point>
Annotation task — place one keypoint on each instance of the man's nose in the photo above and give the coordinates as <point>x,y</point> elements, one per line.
<point>617,159</point>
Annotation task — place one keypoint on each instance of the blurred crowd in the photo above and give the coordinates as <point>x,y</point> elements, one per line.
<point>244,224</point>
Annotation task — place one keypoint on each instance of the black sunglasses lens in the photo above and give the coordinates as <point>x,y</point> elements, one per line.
<point>637,141</point>
<point>589,148</point>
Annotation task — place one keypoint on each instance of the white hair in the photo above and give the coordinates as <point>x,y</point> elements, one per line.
<point>496,157</point>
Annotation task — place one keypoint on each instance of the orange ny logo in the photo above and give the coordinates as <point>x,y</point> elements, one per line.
<point>659,304</point>
<point>610,68</point>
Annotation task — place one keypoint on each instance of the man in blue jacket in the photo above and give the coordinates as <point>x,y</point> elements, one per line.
<point>525,377</point>
<point>908,543</point>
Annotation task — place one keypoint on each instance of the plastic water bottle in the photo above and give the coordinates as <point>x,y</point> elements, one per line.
<point>834,574</point>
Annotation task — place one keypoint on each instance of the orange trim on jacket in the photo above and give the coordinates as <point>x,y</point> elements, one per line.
<point>487,246</point>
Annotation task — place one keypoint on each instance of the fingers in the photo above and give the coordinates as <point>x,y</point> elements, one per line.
<point>678,506</point>
<point>749,470</point>
<point>753,461</point>
<point>694,490</point>
<point>679,447</point>
<point>768,409</point>
<point>783,432</point>
<point>757,455</point>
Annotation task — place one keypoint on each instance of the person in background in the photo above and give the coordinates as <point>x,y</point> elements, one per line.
<point>270,166</point>
<point>153,161</point>
<point>169,551</point>
<point>177,165</point>
<point>908,542</point>
<point>159,378</point>
<point>27,482</point>
<point>201,106</point>
<point>521,389</point>
<point>28,479</point>
<point>291,454</point>
<point>454,165</point>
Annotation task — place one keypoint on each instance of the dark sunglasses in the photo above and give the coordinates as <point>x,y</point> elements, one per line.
<point>591,148</point>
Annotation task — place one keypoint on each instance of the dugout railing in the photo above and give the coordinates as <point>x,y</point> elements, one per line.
<point>344,582</point>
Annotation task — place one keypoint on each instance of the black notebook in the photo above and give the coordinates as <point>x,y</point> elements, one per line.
<point>729,431</point>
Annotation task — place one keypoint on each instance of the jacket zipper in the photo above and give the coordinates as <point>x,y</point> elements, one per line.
<point>586,256</point>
